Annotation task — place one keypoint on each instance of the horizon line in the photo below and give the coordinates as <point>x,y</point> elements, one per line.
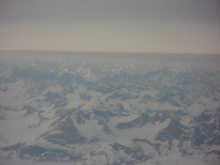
<point>68,51</point>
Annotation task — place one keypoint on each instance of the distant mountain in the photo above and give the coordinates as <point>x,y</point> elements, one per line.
<point>109,112</point>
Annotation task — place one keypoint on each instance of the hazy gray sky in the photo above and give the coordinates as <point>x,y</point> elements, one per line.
<point>180,26</point>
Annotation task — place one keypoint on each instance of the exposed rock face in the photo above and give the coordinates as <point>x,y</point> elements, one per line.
<point>64,132</point>
<point>138,122</point>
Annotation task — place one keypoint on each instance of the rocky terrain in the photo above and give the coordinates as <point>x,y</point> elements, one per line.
<point>109,113</point>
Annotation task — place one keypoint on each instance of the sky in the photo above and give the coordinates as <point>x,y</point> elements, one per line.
<point>164,26</point>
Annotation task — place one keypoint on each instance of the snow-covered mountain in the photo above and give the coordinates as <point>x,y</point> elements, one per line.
<point>109,113</point>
